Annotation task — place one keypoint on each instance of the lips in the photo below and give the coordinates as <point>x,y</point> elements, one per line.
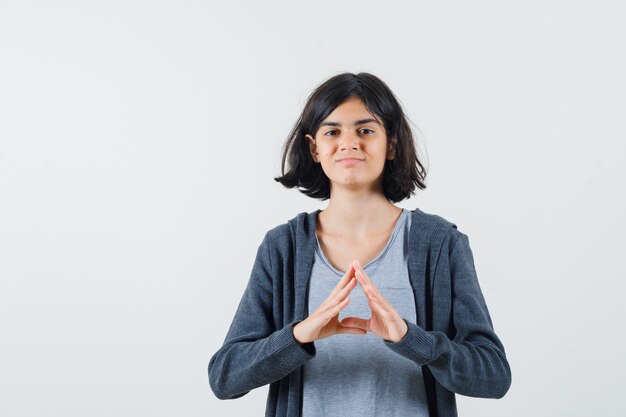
<point>349,161</point>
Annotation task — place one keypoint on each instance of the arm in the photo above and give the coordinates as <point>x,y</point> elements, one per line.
<point>473,362</point>
<point>254,352</point>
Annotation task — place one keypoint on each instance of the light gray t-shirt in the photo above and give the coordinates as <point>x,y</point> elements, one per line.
<point>357,375</point>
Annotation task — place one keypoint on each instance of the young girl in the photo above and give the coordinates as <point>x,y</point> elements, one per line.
<point>363,308</point>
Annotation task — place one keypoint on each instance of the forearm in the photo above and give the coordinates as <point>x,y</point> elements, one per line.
<point>240,366</point>
<point>471,368</point>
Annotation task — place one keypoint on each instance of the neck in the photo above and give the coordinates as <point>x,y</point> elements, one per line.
<point>357,213</point>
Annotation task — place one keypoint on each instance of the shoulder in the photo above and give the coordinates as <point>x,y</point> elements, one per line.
<point>277,233</point>
<point>298,230</point>
<point>441,231</point>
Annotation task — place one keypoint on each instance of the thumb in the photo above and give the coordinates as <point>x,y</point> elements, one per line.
<point>355,322</point>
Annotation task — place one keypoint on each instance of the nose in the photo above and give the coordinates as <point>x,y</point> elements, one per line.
<point>349,141</point>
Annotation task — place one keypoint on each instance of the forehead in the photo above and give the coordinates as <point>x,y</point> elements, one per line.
<point>351,110</point>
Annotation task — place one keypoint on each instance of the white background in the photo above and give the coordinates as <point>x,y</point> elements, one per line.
<point>138,145</point>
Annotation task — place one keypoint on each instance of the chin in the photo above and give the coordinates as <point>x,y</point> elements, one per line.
<point>354,182</point>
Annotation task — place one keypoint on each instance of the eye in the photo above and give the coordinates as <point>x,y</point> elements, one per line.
<point>327,133</point>
<point>370,130</point>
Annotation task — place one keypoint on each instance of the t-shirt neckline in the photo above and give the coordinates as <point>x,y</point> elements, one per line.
<point>383,252</point>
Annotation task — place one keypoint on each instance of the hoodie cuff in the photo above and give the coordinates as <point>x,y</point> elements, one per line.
<point>417,344</point>
<point>287,351</point>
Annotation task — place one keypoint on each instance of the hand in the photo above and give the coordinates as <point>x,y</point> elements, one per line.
<point>324,321</point>
<point>385,321</point>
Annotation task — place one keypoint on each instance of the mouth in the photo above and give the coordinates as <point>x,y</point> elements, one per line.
<point>350,161</point>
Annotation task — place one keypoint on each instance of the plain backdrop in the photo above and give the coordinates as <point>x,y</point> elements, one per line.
<point>138,145</point>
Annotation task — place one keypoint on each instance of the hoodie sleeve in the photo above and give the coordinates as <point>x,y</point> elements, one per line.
<point>473,362</point>
<point>254,352</point>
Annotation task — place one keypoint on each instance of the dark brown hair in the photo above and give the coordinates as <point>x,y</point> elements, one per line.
<point>400,175</point>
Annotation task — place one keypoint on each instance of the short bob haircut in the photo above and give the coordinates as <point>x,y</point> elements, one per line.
<point>400,175</point>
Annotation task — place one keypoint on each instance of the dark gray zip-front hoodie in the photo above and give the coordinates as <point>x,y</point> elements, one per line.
<point>454,341</point>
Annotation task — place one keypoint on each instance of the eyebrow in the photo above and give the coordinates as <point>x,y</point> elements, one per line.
<point>358,122</point>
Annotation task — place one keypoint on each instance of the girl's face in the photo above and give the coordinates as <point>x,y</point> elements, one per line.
<point>352,147</point>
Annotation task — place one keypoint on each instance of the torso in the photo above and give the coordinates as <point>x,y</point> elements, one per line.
<point>342,250</point>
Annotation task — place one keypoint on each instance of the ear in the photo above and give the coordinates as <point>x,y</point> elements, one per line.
<point>391,148</point>
<point>312,147</point>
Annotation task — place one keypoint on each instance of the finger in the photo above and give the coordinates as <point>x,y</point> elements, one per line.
<point>359,272</point>
<point>366,281</point>
<point>377,302</point>
<point>345,279</point>
<point>346,290</point>
<point>350,330</point>
<point>336,294</point>
<point>372,292</point>
<point>380,311</point>
<point>368,286</point>
<point>355,322</point>
<point>333,311</point>
<point>383,308</point>
<point>333,299</point>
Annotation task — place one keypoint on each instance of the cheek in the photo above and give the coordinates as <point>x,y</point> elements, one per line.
<point>381,150</point>
<point>324,152</point>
